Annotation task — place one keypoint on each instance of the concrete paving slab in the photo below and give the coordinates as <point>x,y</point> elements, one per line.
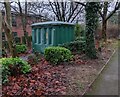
<point>107,82</point>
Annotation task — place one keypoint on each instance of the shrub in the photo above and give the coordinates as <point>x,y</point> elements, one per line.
<point>13,66</point>
<point>80,39</point>
<point>21,48</point>
<point>5,73</point>
<point>82,33</point>
<point>75,46</point>
<point>56,55</point>
<point>79,30</point>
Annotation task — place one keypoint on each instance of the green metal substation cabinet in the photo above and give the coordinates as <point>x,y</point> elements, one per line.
<point>47,34</point>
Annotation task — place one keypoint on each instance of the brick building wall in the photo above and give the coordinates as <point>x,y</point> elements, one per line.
<point>17,28</point>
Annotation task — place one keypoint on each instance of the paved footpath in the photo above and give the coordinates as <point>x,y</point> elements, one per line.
<point>107,82</point>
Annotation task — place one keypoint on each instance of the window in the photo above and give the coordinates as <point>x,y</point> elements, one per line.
<point>14,21</point>
<point>3,35</point>
<point>15,34</point>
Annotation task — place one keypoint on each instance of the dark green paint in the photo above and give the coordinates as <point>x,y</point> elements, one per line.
<point>58,33</point>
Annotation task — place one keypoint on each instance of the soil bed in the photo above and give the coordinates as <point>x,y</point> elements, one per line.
<point>66,79</point>
<point>83,70</point>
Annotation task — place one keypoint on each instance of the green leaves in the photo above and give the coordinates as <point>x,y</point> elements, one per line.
<point>21,48</point>
<point>75,46</point>
<point>57,54</point>
<point>5,73</point>
<point>79,30</point>
<point>13,66</point>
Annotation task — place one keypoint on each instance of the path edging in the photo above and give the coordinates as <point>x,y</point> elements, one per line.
<point>99,73</point>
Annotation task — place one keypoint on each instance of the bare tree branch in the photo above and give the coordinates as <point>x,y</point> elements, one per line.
<point>117,6</point>
<point>80,3</point>
<point>77,14</point>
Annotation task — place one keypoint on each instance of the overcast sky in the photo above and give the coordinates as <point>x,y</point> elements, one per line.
<point>64,0</point>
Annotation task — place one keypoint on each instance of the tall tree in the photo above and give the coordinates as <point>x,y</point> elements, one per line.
<point>0,32</point>
<point>40,9</point>
<point>114,19</point>
<point>24,9</point>
<point>105,16</point>
<point>0,21</point>
<point>23,18</point>
<point>21,8</point>
<point>7,25</point>
<point>91,25</point>
<point>119,22</point>
<point>65,11</point>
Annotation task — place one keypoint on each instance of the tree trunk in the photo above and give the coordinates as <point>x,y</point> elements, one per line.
<point>104,30</point>
<point>91,25</point>
<point>0,32</point>
<point>10,39</point>
<point>24,20</point>
<point>0,22</point>
<point>104,22</point>
<point>25,25</point>
<point>119,23</point>
<point>105,17</point>
<point>7,25</point>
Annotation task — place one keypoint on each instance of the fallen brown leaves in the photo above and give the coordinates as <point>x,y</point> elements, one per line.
<point>44,79</point>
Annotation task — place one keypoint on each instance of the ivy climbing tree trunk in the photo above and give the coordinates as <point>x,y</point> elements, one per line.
<point>7,26</point>
<point>91,25</point>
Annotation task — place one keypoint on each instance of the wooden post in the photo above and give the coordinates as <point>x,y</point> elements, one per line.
<point>47,37</point>
<point>53,35</point>
<point>37,36</point>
